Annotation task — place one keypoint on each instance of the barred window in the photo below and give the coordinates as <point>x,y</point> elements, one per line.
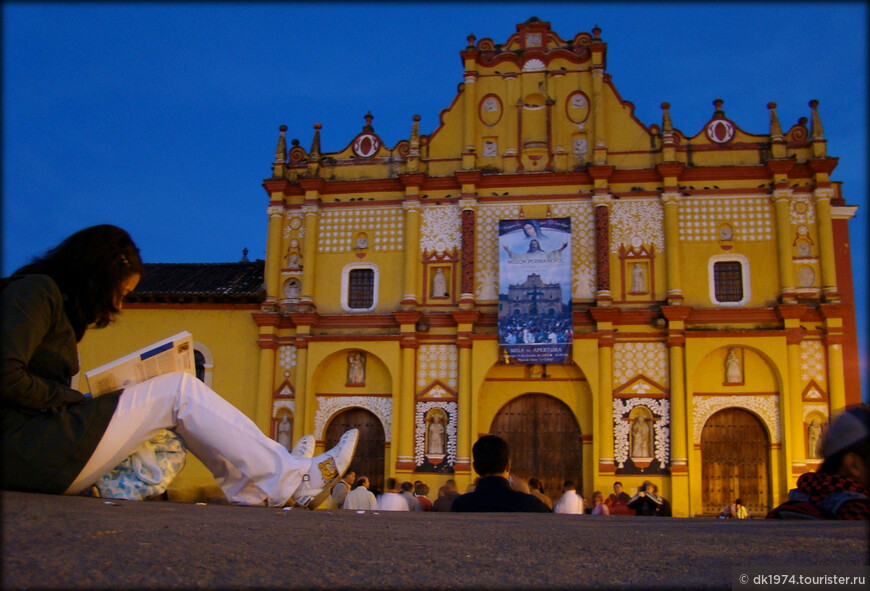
<point>361,289</point>
<point>728,281</point>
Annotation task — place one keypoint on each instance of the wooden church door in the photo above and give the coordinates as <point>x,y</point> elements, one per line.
<point>734,462</point>
<point>544,440</point>
<point>369,456</point>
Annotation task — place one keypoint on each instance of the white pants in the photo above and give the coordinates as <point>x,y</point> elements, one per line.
<point>248,466</point>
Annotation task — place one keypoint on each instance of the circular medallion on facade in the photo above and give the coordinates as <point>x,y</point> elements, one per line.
<point>366,145</point>
<point>720,131</point>
<point>490,110</point>
<point>803,230</point>
<point>636,241</point>
<point>800,206</point>
<point>806,276</point>
<point>295,223</point>
<point>577,107</point>
<point>294,243</point>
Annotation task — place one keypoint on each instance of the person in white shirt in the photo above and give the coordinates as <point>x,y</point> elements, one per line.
<point>391,500</point>
<point>570,501</point>
<point>360,498</point>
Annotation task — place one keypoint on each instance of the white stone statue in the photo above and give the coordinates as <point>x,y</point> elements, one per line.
<point>638,281</point>
<point>439,284</point>
<point>814,439</point>
<point>435,435</point>
<point>356,368</point>
<point>733,368</point>
<point>285,432</point>
<point>641,438</point>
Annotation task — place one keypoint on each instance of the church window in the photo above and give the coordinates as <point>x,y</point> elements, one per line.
<point>359,287</point>
<point>204,363</point>
<point>729,280</point>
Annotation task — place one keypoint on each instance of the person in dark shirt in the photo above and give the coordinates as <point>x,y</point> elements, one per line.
<point>839,489</point>
<point>493,493</point>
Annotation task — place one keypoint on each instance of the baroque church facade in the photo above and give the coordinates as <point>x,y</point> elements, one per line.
<point>710,328</point>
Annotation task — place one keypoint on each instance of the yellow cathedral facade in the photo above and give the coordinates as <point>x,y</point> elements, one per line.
<point>708,328</point>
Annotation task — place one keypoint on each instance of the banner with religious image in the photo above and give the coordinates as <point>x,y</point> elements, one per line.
<point>534,305</point>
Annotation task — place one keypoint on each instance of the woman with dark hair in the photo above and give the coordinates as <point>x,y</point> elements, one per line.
<point>58,440</point>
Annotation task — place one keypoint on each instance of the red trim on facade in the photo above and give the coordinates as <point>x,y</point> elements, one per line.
<point>843,264</point>
<point>731,315</point>
<point>346,394</point>
<point>741,393</point>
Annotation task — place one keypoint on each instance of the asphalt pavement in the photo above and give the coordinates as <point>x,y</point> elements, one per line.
<point>55,542</point>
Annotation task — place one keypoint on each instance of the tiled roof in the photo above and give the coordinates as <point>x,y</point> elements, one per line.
<point>200,282</point>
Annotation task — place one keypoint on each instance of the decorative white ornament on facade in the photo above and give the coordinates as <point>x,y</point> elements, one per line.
<point>765,407</point>
<point>635,358</point>
<point>815,407</point>
<point>637,219</point>
<point>660,408</point>
<point>437,362</point>
<point>441,229</point>
<point>803,211</point>
<point>420,430</point>
<point>383,225</point>
<point>750,217</point>
<point>329,406</point>
<point>813,363</point>
<point>287,405</point>
<point>287,356</point>
<point>534,65</point>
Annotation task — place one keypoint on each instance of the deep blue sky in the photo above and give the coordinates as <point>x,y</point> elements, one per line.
<point>163,117</point>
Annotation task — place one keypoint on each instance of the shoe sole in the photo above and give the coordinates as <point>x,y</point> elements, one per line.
<point>327,490</point>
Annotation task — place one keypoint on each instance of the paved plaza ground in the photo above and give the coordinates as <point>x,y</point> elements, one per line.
<point>52,542</point>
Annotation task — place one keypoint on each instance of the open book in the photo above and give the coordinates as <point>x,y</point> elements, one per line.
<point>171,354</point>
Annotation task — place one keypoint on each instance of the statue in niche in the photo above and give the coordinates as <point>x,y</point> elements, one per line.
<point>638,279</point>
<point>291,288</point>
<point>362,242</point>
<point>814,439</point>
<point>641,437</point>
<point>356,369</point>
<point>293,260</point>
<point>435,443</point>
<point>285,432</point>
<point>733,368</point>
<point>439,284</point>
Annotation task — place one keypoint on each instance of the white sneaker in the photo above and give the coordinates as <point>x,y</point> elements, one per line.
<point>325,471</point>
<point>304,448</point>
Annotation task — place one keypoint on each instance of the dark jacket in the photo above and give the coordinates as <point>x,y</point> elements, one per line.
<point>494,493</point>
<point>48,430</point>
<point>824,496</point>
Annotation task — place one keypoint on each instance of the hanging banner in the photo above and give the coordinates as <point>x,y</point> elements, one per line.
<point>534,304</point>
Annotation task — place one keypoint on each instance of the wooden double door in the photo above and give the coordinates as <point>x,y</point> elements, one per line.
<point>734,462</point>
<point>369,457</point>
<point>544,440</point>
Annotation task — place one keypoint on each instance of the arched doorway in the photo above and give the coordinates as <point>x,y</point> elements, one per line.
<point>734,462</point>
<point>544,440</point>
<point>369,456</point>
